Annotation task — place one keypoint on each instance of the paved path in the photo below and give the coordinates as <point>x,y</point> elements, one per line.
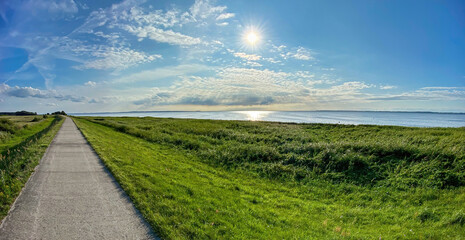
<point>72,195</point>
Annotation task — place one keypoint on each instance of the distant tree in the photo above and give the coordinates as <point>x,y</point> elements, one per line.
<point>59,113</point>
<point>25,113</point>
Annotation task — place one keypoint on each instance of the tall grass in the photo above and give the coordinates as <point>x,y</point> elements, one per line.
<point>15,129</point>
<point>8,126</point>
<point>19,156</point>
<point>251,193</point>
<point>402,157</point>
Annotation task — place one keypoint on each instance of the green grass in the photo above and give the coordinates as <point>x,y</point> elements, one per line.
<point>24,120</point>
<point>15,129</point>
<point>20,153</point>
<point>365,155</point>
<point>207,179</point>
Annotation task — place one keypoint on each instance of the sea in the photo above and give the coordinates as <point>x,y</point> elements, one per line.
<point>409,119</point>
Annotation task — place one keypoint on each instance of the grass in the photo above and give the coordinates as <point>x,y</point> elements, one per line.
<point>236,180</point>
<point>22,146</point>
<point>365,155</point>
<point>24,120</point>
<point>15,129</point>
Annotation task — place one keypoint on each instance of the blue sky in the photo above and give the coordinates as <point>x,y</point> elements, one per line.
<point>94,56</point>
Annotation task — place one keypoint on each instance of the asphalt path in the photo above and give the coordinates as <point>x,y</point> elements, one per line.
<point>72,195</point>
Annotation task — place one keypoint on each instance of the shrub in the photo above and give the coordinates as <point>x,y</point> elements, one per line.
<point>36,119</point>
<point>8,126</point>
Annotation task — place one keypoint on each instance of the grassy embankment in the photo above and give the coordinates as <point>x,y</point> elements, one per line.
<point>23,141</point>
<point>232,179</point>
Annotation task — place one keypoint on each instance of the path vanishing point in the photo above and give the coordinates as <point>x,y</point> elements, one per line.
<point>72,195</point>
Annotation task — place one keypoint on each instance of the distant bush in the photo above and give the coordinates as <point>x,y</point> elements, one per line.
<point>36,119</point>
<point>18,113</point>
<point>25,113</point>
<point>8,126</point>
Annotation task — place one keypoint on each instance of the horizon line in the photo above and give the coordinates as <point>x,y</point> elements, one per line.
<point>387,111</point>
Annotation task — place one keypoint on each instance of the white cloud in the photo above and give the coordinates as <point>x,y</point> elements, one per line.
<point>427,94</point>
<point>271,60</point>
<point>203,9</point>
<point>300,54</point>
<point>68,6</point>
<point>234,86</point>
<point>21,92</point>
<point>387,87</point>
<point>253,64</point>
<point>113,38</point>
<point>90,84</point>
<point>349,87</point>
<point>162,73</point>
<point>442,88</point>
<point>101,17</point>
<point>52,8</point>
<point>116,58</point>
<point>202,12</point>
<point>139,17</point>
<point>328,69</point>
<point>27,92</point>
<point>224,16</point>
<point>40,56</point>
<point>254,87</point>
<point>250,57</point>
<point>160,35</point>
<point>279,48</point>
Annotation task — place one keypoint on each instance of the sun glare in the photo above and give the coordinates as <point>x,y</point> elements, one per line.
<point>255,115</point>
<point>252,38</point>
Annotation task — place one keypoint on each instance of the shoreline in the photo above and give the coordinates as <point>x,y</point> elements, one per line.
<point>405,119</point>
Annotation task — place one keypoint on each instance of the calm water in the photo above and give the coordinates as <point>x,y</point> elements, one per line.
<point>412,119</point>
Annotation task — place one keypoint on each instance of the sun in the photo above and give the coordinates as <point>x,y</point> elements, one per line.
<point>252,38</point>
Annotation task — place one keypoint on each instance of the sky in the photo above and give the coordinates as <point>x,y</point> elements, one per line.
<point>207,55</point>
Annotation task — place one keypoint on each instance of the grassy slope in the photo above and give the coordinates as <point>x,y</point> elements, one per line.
<point>26,149</point>
<point>366,155</point>
<point>21,133</point>
<point>23,120</point>
<point>183,196</point>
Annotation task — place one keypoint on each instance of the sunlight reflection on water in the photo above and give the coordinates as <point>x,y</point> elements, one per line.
<point>255,115</point>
